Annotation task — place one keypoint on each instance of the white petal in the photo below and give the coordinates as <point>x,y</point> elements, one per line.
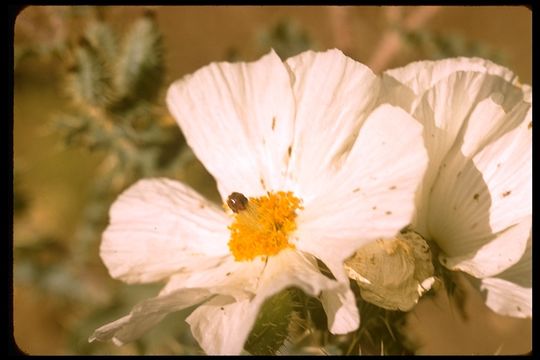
<point>480,197</point>
<point>521,272</point>
<point>481,128</point>
<point>339,302</point>
<point>147,314</point>
<point>341,310</point>
<point>510,293</point>
<point>222,325</point>
<point>238,279</point>
<point>506,166</point>
<point>334,94</point>
<point>237,118</point>
<point>159,227</point>
<point>372,194</point>
<point>421,75</point>
<point>508,298</point>
<point>293,268</point>
<point>497,252</point>
<point>444,111</point>
<point>237,282</point>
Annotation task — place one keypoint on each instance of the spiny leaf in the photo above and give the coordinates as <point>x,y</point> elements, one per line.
<point>139,69</point>
<point>379,331</point>
<point>102,38</point>
<point>271,327</point>
<point>81,129</point>
<point>88,79</point>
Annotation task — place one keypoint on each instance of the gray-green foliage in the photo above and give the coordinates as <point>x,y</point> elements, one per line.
<point>434,45</point>
<point>103,39</point>
<point>114,84</point>
<point>271,327</point>
<point>118,77</point>
<point>287,38</point>
<point>139,69</point>
<point>380,332</point>
<point>88,80</point>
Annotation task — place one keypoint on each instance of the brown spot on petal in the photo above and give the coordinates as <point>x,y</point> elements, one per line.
<point>388,213</point>
<point>263,184</point>
<point>506,193</point>
<point>458,174</point>
<point>476,196</point>
<point>374,208</point>
<point>393,187</point>
<point>530,125</point>
<point>356,190</point>
<point>273,123</point>
<point>289,150</point>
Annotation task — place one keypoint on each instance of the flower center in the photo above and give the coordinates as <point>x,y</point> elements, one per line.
<point>262,225</point>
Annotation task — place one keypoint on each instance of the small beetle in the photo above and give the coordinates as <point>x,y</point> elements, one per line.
<point>237,202</point>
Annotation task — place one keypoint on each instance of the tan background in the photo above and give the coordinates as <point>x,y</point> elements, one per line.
<point>57,178</point>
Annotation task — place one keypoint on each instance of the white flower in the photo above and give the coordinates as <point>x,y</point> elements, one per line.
<point>475,199</point>
<point>310,145</point>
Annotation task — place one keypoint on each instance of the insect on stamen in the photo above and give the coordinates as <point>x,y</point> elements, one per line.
<point>237,202</point>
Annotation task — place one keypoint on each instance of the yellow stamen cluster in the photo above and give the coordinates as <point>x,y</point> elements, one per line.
<point>263,228</point>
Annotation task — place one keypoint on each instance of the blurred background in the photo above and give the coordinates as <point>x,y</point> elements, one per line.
<point>79,141</point>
